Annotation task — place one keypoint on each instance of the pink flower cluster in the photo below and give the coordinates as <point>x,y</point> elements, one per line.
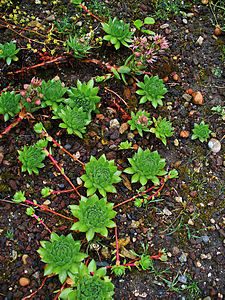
<point>31,93</point>
<point>148,51</point>
<point>143,120</point>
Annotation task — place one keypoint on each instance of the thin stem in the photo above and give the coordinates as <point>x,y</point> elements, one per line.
<point>11,126</point>
<point>87,11</point>
<point>117,248</point>
<point>31,295</point>
<point>66,191</point>
<point>116,95</point>
<point>62,288</point>
<point>47,209</point>
<point>61,147</point>
<point>61,171</point>
<point>40,221</point>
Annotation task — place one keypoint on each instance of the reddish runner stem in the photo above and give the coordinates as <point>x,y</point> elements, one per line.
<point>62,288</point>
<point>87,11</point>
<point>144,192</point>
<point>31,295</point>
<point>117,248</point>
<point>47,209</point>
<point>11,126</point>
<point>40,221</point>
<point>62,172</point>
<point>61,147</point>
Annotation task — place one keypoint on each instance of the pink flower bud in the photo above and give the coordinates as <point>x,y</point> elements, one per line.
<point>23,94</point>
<point>38,102</point>
<point>41,96</point>
<point>28,99</point>
<point>26,86</point>
<point>137,54</point>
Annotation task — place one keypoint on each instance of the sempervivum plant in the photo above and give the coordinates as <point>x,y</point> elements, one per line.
<point>8,51</point>
<point>140,121</point>
<point>61,255</point>
<point>9,104</point>
<point>90,283</point>
<point>74,120</point>
<point>94,216</point>
<point>100,174</point>
<point>152,89</point>
<point>201,131</point>
<point>32,157</point>
<point>117,32</point>
<point>163,129</point>
<point>85,96</point>
<point>146,165</point>
<point>52,92</point>
<point>80,49</point>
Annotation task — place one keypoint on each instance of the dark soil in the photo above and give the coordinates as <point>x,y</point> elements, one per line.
<point>189,221</point>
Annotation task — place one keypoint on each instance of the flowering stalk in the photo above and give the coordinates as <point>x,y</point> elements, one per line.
<point>61,147</point>
<point>61,171</point>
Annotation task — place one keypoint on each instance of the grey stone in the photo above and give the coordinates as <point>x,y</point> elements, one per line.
<point>182,279</point>
<point>183,258</point>
<point>50,18</point>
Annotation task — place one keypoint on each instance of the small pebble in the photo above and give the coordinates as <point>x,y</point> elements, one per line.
<point>182,279</point>
<point>214,145</point>
<point>183,258</point>
<point>24,281</point>
<point>199,41</point>
<point>114,123</point>
<point>205,238</point>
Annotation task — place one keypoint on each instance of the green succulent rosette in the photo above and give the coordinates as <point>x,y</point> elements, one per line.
<point>74,119</point>
<point>117,32</point>
<point>152,89</point>
<point>140,121</point>
<point>53,92</point>
<point>94,216</point>
<point>85,96</point>
<point>146,165</point>
<point>8,51</point>
<point>163,129</point>
<point>32,157</point>
<point>61,255</point>
<point>90,284</point>
<point>80,49</point>
<point>9,104</point>
<point>201,131</point>
<point>100,175</point>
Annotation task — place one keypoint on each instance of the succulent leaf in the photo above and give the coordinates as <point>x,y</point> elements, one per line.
<point>140,121</point>
<point>163,129</point>
<point>152,89</point>
<point>8,51</point>
<point>146,165</point>
<point>53,92</point>
<point>80,49</point>
<point>61,254</point>
<point>117,32</point>
<point>32,157</point>
<point>94,216</point>
<point>201,131</point>
<point>100,174</point>
<point>85,96</point>
<point>9,104</point>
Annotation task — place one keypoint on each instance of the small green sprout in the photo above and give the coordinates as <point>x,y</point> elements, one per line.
<point>140,121</point>
<point>19,197</point>
<point>8,51</point>
<point>163,129</point>
<point>201,131</point>
<point>125,145</point>
<point>80,49</point>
